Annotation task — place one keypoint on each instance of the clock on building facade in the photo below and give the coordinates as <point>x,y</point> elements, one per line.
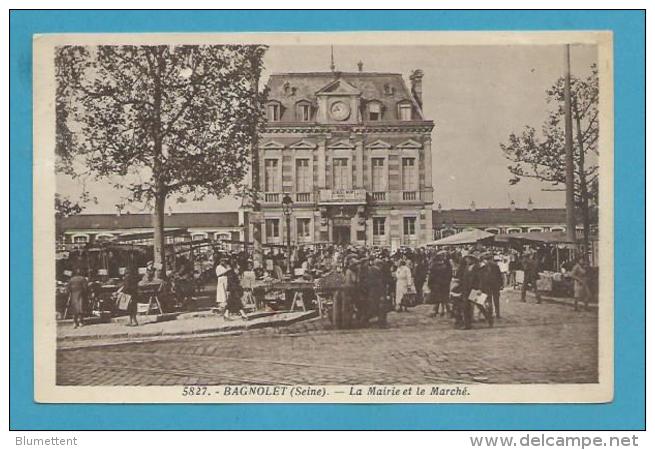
<point>339,110</point>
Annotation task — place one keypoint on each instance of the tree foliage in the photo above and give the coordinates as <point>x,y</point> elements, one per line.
<point>541,155</point>
<point>65,207</point>
<point>177,119</point>
<point>155,121</point>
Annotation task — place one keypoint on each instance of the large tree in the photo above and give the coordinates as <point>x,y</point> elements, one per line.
<point>543,155</point>
<point>157,121</point>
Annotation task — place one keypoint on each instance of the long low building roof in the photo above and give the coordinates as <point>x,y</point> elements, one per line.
<point>449,217</point>
<point>491,216</point>
<point>128,221</point>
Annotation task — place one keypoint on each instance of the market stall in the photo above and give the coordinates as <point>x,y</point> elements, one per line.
<point>464,238</point>
<point>553,278</point>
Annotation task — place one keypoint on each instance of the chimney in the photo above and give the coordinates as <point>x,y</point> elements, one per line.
<point>417,86</point>
<point>530,204</point>
<point>472,206</point>
<point>360,66</point>
<point>512,205</point>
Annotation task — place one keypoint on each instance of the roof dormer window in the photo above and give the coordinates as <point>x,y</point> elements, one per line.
<point>405,111</point>
<point>303,111</point>
<point>273,112</point>
<point>374,111</point>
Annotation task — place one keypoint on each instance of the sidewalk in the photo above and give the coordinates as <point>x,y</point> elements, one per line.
<point>558,300</point>
<point>195,323</point>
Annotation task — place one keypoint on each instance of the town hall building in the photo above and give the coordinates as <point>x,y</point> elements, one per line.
<point>353,152</point>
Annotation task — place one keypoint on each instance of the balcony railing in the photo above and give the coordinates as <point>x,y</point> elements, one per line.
<point>351,196</point>
<point>409,195</point>
<point>272,197</point>
<point>304,197</point>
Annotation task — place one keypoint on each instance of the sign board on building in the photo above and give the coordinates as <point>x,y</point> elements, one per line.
<point>341,221</point>
<point>347,196</point>
<point>256,217</point>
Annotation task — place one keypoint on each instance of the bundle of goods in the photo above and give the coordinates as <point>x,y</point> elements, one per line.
<point>332,280</point>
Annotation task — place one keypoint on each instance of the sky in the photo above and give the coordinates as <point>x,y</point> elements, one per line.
<point>476,96</point>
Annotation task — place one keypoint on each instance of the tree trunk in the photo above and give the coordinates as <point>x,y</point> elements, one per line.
<point>584,192</point>
<point>158,234</point>
<point>159,246</point>
<point>256,229</point>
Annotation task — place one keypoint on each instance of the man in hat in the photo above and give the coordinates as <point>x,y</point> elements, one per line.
<point>351,289</point>
<point>377,292</point>
<point>530,275</point>
<point>469,276</point>
<point>491,281</point>
<point>441,272</point>
<point>362,307</point>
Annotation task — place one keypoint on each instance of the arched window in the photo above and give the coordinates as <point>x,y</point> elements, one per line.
<point>80,239</point>
<point>198,236</point>
<point>492,230</point>
<point>535,229</point>
<point>561,229</point>
<point>221,236</point>
<point>513,230</point>
<point>104,237</point>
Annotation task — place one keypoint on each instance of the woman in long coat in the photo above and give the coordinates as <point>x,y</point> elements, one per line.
<point>78,290</point>
<point>131,288</point>
<point>580,286</point>
<point>404,284</point>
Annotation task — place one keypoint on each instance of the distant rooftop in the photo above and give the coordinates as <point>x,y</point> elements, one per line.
<point>490,216</point>
<point>129,221</point>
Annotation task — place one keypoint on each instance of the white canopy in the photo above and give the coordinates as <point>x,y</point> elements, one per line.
<point>463,238</point>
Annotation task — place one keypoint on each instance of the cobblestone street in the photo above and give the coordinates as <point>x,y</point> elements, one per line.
<point>547,343</point>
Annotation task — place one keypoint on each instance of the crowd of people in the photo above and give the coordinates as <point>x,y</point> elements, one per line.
<point>375,281</point>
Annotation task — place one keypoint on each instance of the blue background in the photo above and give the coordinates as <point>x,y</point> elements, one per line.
<point>627,411</point>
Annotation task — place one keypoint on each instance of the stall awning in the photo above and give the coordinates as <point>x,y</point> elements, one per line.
<point>464,238</point>
<point>145,235</point>
<point>538,237</point>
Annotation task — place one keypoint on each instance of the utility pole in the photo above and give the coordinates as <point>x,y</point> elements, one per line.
<point>570,206</point>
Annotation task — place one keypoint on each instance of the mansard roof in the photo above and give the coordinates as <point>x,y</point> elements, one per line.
<point>387,88</point>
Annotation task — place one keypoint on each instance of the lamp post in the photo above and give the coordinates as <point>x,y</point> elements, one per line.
<point>287,210</point>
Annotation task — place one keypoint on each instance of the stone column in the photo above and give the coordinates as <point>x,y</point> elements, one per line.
<point>321,164</point>
<point>427,160</point>
<point>359,165</point>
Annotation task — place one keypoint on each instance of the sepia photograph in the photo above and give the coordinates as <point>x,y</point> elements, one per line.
<point>388,217</point>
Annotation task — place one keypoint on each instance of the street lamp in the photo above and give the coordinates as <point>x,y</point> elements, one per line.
<point>287,210</point>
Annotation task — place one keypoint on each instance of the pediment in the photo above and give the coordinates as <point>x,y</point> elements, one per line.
<point>272,145</point>
<point>379,145</point>
<point>411,143</point>
<point>303,145</point>
<point>338,87</point>
<point>343,144</point>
